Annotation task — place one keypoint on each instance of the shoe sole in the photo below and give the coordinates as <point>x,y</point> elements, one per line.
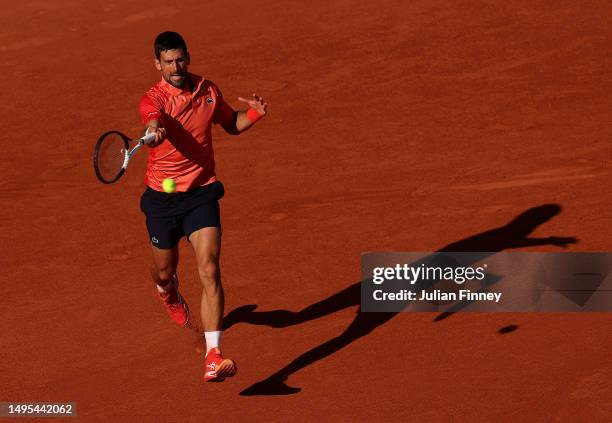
<point>227,368</point>
<point>184,303</point>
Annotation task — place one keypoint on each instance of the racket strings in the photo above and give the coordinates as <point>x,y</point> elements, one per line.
<point>111,156</point>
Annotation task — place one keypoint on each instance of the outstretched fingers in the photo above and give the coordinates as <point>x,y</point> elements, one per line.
<point>255,100</point>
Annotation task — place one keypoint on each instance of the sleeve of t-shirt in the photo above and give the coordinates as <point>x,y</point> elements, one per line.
<point>149,109</point>
<point>224,114</point>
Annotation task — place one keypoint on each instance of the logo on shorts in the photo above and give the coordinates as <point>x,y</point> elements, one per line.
<point>209,100</point>
<point>154,240</point>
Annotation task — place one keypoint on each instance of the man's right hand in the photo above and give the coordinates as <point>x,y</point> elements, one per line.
<point>160,133</point>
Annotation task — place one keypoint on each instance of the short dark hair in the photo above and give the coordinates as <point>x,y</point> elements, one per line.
<point>169,41</point>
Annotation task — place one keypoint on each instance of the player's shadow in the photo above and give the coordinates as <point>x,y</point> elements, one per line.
<point>513,235</point>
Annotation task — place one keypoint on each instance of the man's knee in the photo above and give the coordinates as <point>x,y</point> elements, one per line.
<point>209,271</point>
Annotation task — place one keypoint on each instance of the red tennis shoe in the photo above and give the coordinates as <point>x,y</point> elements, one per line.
<point>217,368</point>
<point>175,305</point>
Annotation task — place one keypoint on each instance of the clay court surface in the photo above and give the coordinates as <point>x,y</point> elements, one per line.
<point>393,126</point>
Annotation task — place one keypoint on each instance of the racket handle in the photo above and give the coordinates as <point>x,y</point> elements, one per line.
<point>148,138</point>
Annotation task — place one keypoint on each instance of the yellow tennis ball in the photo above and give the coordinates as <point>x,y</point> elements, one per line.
<point>168,185</point>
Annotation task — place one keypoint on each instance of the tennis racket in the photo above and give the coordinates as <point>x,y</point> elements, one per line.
<point>112,155</point>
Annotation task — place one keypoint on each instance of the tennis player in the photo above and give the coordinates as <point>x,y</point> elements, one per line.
<point>180,110</point>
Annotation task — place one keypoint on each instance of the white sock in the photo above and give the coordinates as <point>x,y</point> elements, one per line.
<point>213,340</point>
<point>166,287</point>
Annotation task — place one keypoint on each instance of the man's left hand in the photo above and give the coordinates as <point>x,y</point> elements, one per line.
<point>257,103</point>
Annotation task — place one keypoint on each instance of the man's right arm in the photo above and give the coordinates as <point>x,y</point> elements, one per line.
<point>150,115</point>
<point>153,126</point>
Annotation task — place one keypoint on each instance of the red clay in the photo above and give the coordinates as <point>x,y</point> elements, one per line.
<point>393,126</point>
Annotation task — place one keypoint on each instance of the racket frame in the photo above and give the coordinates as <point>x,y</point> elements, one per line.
<point>128,153</point>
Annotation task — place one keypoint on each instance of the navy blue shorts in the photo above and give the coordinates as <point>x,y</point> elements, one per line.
<point>173,216</point>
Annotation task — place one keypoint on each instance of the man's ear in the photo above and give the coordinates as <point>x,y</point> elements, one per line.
<point>188,58</point>
<point>157,65</point>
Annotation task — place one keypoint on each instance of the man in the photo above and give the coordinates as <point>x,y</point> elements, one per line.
<point>180,111</point>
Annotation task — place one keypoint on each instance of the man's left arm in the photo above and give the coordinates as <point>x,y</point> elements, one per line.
<point>236,122</point>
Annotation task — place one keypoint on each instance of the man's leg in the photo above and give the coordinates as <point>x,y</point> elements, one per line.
<point>207,246</point>
<point>163,272</point>
<point>163,267</point>
<point>163,226</point>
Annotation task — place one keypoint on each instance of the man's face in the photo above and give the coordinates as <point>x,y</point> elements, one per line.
<point>173,66</point>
